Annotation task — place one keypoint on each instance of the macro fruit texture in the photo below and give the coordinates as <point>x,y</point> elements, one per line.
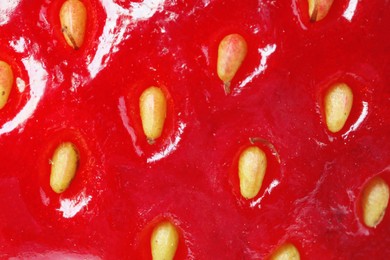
<point>311,198</point>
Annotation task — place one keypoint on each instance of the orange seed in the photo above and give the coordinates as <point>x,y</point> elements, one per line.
<point>6,82</point>
<point>73,18</point>
<point>318,9</point>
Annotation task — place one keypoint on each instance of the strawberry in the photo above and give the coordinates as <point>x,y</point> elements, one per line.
<point>283,151</point>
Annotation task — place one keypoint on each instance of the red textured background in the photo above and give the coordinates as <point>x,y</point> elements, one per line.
<point>121,194</point>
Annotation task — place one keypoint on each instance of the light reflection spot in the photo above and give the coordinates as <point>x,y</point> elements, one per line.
<point>70,207</point>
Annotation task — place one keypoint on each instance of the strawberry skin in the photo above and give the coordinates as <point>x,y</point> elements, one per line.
<point>124,186</point>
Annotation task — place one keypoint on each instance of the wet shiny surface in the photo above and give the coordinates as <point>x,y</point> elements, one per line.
<point>124,186</point>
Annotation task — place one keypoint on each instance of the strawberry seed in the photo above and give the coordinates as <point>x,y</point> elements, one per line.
<point>338,104</point>
<point>6,82</point>
<point>73,18</point>
<point>286,252</point>
<point>153,106</point>
<point>252,165</point>
<point>232,51</point>
<point>374,201</point>
<point>164,241</point>
<point>318,9</point>
<point>64,165</point>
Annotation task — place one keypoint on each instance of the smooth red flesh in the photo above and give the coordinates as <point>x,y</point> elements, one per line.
<point>124,186</point>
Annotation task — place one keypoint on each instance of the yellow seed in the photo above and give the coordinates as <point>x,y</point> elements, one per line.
<point>153,109</point>
<point>252,165</point>
<point>318,9</point>
<point>6,82</point>
<point>73,18</point>
<point>338,104</point>
<point>64,166</point>
<point>286,252</point>
<point>375,199</point>
<point>232,51</point>
<point>164,241</point>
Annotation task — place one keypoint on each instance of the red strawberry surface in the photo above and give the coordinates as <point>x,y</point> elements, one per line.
<point>124,186</point>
